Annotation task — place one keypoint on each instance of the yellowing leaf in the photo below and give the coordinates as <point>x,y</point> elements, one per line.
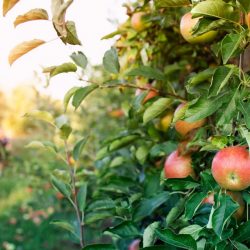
<point>23,48</point>
<point>8,4</point>
<point>34,14</point>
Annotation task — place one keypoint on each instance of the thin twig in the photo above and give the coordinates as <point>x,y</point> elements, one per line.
<point>75,203</point>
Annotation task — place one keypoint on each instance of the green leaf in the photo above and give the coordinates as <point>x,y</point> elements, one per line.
<point>220,78</point>
<point>147,72</point>
<point>193,230</point>
<point>111,61</point>
<point>245,133</point>
<point>78,148</point>
<point>122,142</point>
<point>68,96</point>
<point>156,109</point>
<point>240,246</point>
<point>229,109</point>
<point>175,212</point>
<point>180,184</point>
<point>171,3</point>
<point>159,247</point>
<point>205,107</point>
<point>41,115</point>
<point>208,182</point>
<point>230,45</point>
<point>142,153</point>
<point>79,59</point>
<point>81,197</point>
<point>97,216</point>
<point>63,68</point>
<point>147,206</point>
<point>71,37</point>
<point>126,229</point>
<point>65,131</point>
<point>80,94</point>
<point>163,149</point>
<point>244,108</point>
<point>65,225</point>
<point>217,9</point>
<point>101,205</point>
<point>99,247</point>
<point>245,5</point>
<point>222,213</point>
<point>61,187</point>
<point>246,197</point>
<point>181,240</point>
<point>242,233</point>
<point>149,236</point>
<point>193,203</point>
<point>43,145</point>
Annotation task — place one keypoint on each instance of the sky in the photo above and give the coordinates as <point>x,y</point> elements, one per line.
<point>93,21</point>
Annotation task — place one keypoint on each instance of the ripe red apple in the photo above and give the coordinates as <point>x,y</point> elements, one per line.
<point>151,94</point>
<point>231,168</point>
<point>178,166</point>
<point>236,196</point>
<point>186,27</point>
<point>137,22</point>
<point>184,127</point>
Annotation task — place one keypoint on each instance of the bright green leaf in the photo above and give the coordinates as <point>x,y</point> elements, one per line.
<point>111,61</point>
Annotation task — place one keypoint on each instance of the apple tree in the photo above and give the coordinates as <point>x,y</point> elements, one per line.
<point>177,176</point>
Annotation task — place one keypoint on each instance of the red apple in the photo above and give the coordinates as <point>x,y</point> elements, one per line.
<point>184,127</point>
<point>231,168</point>
<point>137,22</point>
<point>186,27</point>
<point>178,166</point>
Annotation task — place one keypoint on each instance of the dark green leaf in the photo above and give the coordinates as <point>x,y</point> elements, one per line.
<point>156,109</point>
<point>230,45</point>
<point>242,233</point>
<point>65,131</point>
<point>245,5</point>
<point>147,206</point>
<point>244,108</point>
<point>81,93</point>
<point>96,216</point>
<point>205,107</point>
<point>65,225</point>
<point>125,230</point>
<point>180,184</point>
<point>193,203</point>
<point>111,61</point>
<point>79,59</point>
<point>163,149</point>
<point>81,197</point>
<point>175,212</point>
<point>181,240</point>
<point>147,72</point>
<point>220,79</point>
<point>78,148</point>
<point>60,187</point>
<point>101,205</point>
<point>99,247</point>
<point>222,213</point>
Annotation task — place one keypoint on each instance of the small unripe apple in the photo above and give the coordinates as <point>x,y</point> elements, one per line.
<point>178,166</point>
<point>184,127</point>
<point>236,196</point>
<point>231,168</point>
<point>151,94</point>
<point>186,27</point>
<point>116,113</point>
<point>137,22</point>
<point>165,121</point>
